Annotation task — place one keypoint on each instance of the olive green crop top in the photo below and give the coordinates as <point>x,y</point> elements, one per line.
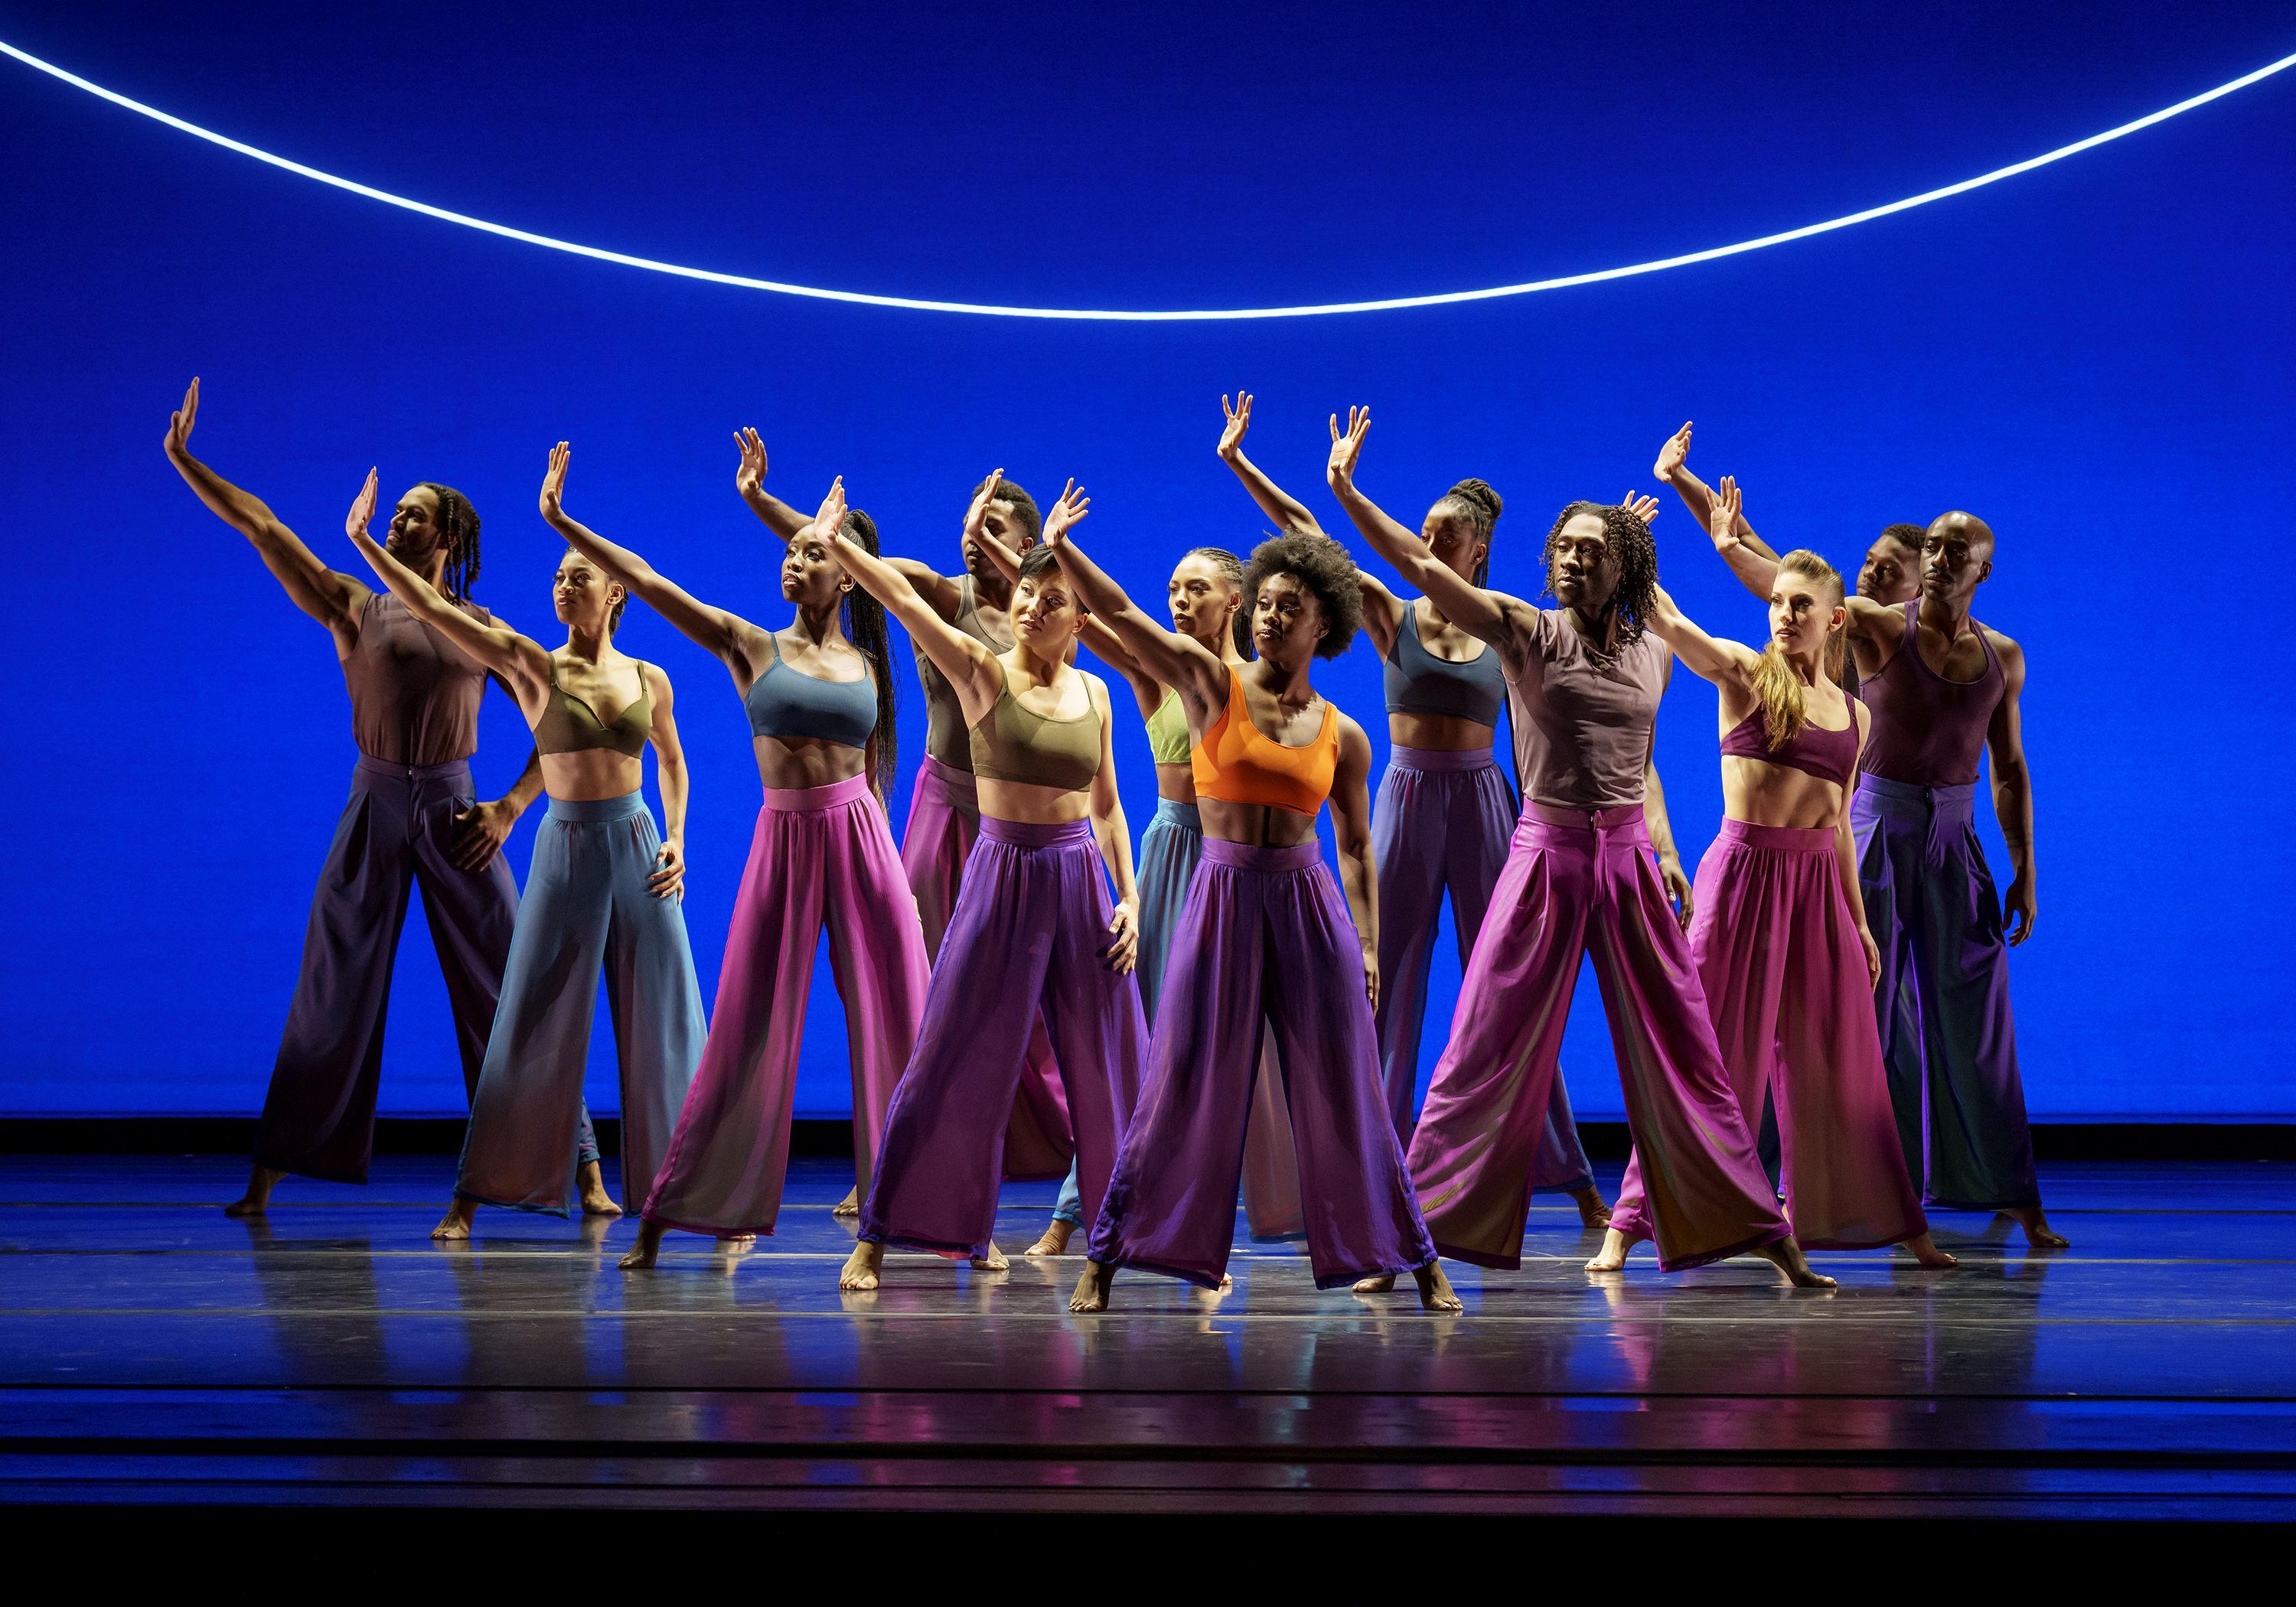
<point>1167,732</point>
<point>570,725</point>
<point>1013,744</point>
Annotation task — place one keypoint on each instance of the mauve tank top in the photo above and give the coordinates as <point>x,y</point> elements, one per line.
<point>1929,732</point>
<point>946,737</point>
<point>415,693</point>
<point>1814,750</point>
<point>1583,720</point>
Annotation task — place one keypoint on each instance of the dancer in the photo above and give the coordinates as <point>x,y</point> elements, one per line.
<point>1033,931</point>
<point>1265,938</point>
<point>1584,682</point>
<point>945,806</point>
<point>821,706</point>
<point>1780,942</point>
<point>413,818</point>
<point>1445,809</point>
<point>1944,695</point>
<point>603,888</point>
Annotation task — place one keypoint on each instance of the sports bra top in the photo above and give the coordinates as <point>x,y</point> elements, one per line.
<point>1420,682</point>
<point>1237,762</point>
<point>570,725</point>
<point>1167,732</point>
<point>787,702</point>
<point>1814,750</point>
<point>1014,744</point>
<point>1928,730</point>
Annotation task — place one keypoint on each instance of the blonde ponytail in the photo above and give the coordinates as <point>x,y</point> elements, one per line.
<point>1784,700</point>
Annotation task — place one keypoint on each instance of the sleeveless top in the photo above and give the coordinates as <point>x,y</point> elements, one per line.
<point>1583,720</point>
<point>415,693</point>
<point>1015,744</point>
<point>786,702</point>
<point>1420,682</point>
<point>1237,762</point>
<point>1167,732</point>
<point>946,738</point>
<point>1828,755</point>
<point>570,725</point>
<point>1930,732</point>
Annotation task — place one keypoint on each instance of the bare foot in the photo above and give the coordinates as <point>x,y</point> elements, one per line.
<point>260,1181</point>
<point>862,1265</point>
<point>2039,1234</point>
<point>1092,1288</point>
<point>457,1223</point>
<point>1381,1284</point>
<point>1786,1256</point>
<point>1592,1211</point>
<point>1925,1251</point>
<point>737,1241</point>
<point>649,1245</point>
<point>850,1206</point>
<point>595,1200</point>
<point>1435,1290</point>
<point>1227,1284</point>
<point>1613,1256</point>
<point>1054,1241</point>
<point>993,1261</point>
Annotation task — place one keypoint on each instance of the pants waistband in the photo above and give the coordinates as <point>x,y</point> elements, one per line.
<point>1185,816</point>
<point>1906,798</point>
<point>1791,839</point>
<point>836,793</point>
<point>381,768</point>
<point>1583,820</point>
<point>1026,835</point>
<point>1254,857</point>
<point>958,786</point>
<point>577,811</point>
<point>1439,759</point>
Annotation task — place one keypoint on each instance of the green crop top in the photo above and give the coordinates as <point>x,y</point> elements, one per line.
<point>570,725</point>
<point>1167,732</point>
<point>1013,744</point>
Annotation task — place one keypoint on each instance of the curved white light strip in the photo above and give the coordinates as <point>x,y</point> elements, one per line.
<point>744,282</point>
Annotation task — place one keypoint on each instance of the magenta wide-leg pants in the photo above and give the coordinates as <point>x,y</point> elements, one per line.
<point>1031,929</point>
<point>1785,977</point>
<point>1579,882</point>
<point>822,857</point>
<point>936,845</point>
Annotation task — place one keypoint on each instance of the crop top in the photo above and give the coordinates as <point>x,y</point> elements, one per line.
<point>1167,732</point>
<point>570,725</point>
<point>1015,744</point>
<point>1814,750</point>
<point>1237,762</point>
<point>786,702</point>
<point>1420,682</point>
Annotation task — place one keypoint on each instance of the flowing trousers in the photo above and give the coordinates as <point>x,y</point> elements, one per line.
<point>823,856</point>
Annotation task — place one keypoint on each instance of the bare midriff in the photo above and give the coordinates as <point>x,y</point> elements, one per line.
<point>591,774</point>
<point>794,762</point>
<point>1032,806</point>
<point>1262,825</point>
<point>1764,794</point>
<point>1439,733</point>
<point>1176,783</point>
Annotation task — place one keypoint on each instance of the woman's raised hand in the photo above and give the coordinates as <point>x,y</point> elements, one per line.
<point>750,477</point>
<point>552,500</point>
<point>179,441</point>
<point>361,514</point>
<point>1722,523</point>
<point>1671,456</point>
<point>1347,446</point>
<point>831,519</point>
<point>1239,419</point>
<point>1066,513</point>
<point>1645,508</point>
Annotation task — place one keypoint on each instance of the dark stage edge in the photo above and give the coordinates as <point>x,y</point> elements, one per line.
<point>152,1351</point>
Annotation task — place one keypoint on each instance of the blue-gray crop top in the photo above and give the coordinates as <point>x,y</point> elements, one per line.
<point>786,702</point>
<point>1420,682</point>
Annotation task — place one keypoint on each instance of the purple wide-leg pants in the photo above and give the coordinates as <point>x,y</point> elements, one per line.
<point>822,857</point>
<point>1442,821</point>
<point>1030,930</point>
<point>1953,1061</point>
<point>1784,976</point>
<point>1265,938</point>
<point>396,832</point>
<point>1576,882</point>
<point>935,847</point>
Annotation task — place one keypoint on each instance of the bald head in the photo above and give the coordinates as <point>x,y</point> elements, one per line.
<point>1967,527</point>
<point>1956,555</point>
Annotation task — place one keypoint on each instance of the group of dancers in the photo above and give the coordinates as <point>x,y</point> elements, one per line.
<point>1812,1039</point>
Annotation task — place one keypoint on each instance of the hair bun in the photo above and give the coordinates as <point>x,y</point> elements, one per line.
<point>1478,495</point>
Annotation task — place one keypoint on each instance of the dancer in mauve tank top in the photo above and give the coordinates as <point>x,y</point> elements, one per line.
<point>1585,681</point>
<point>1944,695</point>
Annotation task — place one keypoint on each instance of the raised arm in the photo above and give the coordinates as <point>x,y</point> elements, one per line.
<point>1351,838</point>
<point>523,664</point>
<point>1287,512</point>
<point>970,668</point>
<point>750,480</point>
<point>1695,494</point>
<point>1096,633</point>
<point>668,878</point>
<point>1724,663</point>
<point>334,599</point>
<point>1181,663</point>
<point>729,636</point>
<point>2013,790</point>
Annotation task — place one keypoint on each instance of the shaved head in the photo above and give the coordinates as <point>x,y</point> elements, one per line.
<point>1968,527</point>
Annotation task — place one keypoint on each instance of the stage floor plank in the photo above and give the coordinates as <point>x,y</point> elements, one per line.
<point>152,1350</point>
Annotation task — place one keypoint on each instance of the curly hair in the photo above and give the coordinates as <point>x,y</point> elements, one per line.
<point>1323,566</point>
<point>1629,540</point>
<point>1024,507</point>
<point>1905,534</point>
<point>1474,501</point>
<point>458,533</point>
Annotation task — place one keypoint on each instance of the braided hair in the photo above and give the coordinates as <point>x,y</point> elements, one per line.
<point>1629,541</point>
<point>1231,566</point>
<point>863,618</point>
<point>1474,501</point>
<point>1324,567</point>
<point>458,533</point>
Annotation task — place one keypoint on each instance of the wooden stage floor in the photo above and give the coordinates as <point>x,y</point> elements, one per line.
<point>152,1350</point>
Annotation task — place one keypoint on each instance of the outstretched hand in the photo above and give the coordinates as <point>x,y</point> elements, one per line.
<point>1671,456</point>
<point>361,514</point>
<point>1239,419</point>
<point>976,517</point>
<point>554,482</point>
<point>179,441</point>
<point>1347,446</point>
<point>1722,521</point>
<point>750,477</point>
<point>1645,508</point>
<point>1066,513</point>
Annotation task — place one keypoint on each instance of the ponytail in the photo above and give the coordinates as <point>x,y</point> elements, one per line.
<point>1784,700</point>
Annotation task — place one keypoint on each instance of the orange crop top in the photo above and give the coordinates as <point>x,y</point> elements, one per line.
<point>1237,762</point>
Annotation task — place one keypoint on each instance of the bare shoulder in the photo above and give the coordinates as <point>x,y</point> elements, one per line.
<point>656,679</point>
<point>2011,656</point>
<point>1355,742</point>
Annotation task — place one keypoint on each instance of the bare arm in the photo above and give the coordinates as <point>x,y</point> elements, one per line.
<point>1171,659</point>
<point>1726,664</point>
<point>668,878</point>
<point>1285,511</point>
<point>1351,837</point>
<point>2012,792</point>
<point>1097,634</point>
<point>750,480</point>
<point>1845,855</point>
<point>1662,836</point>
<point>1114,838</point>
<point>334,599</point>
<point>970,668</point>
<point>482,830</point>
<point>1695,494</point>
<point>523,664</point>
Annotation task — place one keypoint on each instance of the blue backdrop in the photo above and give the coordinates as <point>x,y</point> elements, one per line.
<point>2095,357</point>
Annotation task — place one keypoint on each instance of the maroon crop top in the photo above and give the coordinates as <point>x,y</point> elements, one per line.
<point>1814,750</point>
